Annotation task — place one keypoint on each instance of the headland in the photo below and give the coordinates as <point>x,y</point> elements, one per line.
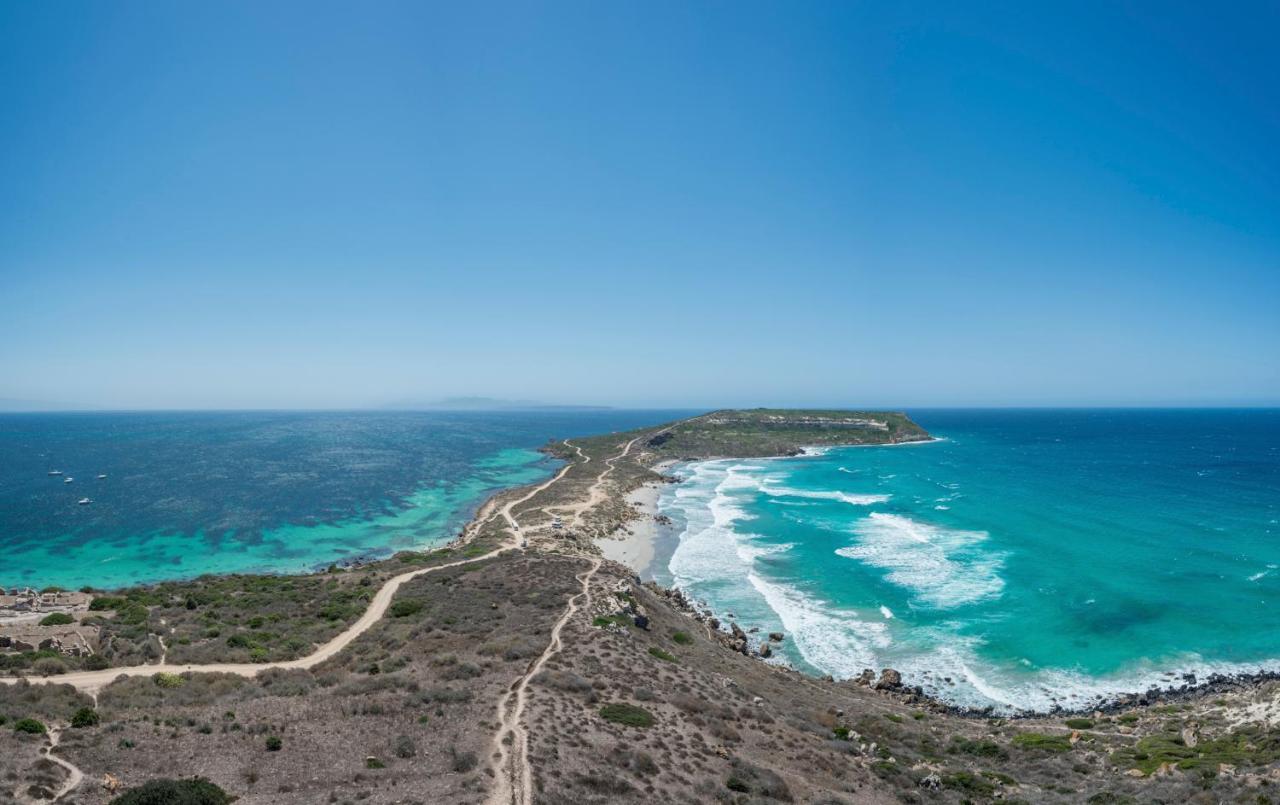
<point>519,665</point>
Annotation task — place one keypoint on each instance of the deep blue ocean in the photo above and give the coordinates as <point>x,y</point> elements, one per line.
<point>1029,558</point>
<point>192,493</point>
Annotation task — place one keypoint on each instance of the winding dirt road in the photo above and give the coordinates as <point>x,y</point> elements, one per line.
<point>513,784</point>
<point>74,775</point>
<point>91,682</point>
<point>514,781</point>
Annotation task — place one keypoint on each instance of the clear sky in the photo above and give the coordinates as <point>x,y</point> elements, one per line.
<point>704,203</point>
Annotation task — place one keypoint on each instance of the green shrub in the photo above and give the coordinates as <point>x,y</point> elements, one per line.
<point>841,732</point>
<point>96,662</point>
<point>627,714</point>
<point>983,748</point>
<point>372,762</point>
<point>167,680</point>
<point>50,666</point>
<point>405,608</point>
<point>29,726</point>
<point>57,619</point>
<point>404,747</point>
<point>86,717</point>
<point>1002,779</point>
<point>662,655</point>
<point>240,641</point>
<point>197,791</point>
<point>894,717</point>
<point>273,743</point>
<point>969,783</point>
<point>610,620</point>
<point>1079,723</point>
<point>1047,743</point>
<point>106,602</point>
<point>682,638</point>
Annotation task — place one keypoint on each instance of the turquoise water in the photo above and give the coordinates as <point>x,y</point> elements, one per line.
<point>192,493</point>
<point>1026,560</point>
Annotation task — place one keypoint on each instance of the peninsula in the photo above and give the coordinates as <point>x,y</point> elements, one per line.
<point>519,665</point>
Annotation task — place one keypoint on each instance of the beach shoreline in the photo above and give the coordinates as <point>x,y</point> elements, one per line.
<point>635,544</point>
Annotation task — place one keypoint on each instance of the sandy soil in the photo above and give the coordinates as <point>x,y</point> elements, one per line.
<point>633,545</point>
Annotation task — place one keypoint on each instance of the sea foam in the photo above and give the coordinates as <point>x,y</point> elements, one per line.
<point>941,567</point>
<point>773,490</point>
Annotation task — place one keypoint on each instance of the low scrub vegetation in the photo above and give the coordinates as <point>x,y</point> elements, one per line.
<point>196,791</point>
<point>629,715</point>
<point>1042,742</point>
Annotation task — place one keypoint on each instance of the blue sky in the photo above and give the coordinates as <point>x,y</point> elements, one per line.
<point>702,204</point>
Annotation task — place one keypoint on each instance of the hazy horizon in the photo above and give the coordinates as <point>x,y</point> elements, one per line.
<point>694,206</point>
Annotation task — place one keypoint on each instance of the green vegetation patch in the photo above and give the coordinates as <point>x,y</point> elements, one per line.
<point>968,783</point>
<point>1252,745</point>
<point>603,621</point>
<point>1042,742</point>
<point>167,680</point>
<point>982,748</point>
<point>29,726</point>
<point>86,717</point>
<point>662,655</point>
<point>197,791</point>
<point>1079,723</point>
<point>57,619</point>
<point>683,638</point>
<point>1002,779</point>
<point>628,715</point>
<point>405,607</point>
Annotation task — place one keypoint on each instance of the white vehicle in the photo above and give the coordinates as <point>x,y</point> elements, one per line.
<point>85,501</point>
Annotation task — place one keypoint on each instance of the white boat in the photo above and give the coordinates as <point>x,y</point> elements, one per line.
<point>103,475</point>
<point>68,479</point>
<point>85,501</point>
<point>55,472</point>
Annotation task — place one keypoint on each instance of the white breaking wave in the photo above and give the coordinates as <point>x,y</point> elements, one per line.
<point>941,567</point>
<point>825,637</point>
<point>852,499</point>
<point>1261,574</point>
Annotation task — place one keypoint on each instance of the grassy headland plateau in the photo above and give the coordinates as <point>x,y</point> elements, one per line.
<point>519,666</point>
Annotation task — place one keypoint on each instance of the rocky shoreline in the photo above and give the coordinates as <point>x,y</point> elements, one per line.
<point>890,682</point>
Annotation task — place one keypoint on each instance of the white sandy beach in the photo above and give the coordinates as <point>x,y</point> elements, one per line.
<point>633,545</point>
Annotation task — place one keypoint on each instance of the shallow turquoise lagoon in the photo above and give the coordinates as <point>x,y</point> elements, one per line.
<point>192,493</point>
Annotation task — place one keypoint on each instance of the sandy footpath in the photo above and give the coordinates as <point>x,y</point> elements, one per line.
<point>633,544</point>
